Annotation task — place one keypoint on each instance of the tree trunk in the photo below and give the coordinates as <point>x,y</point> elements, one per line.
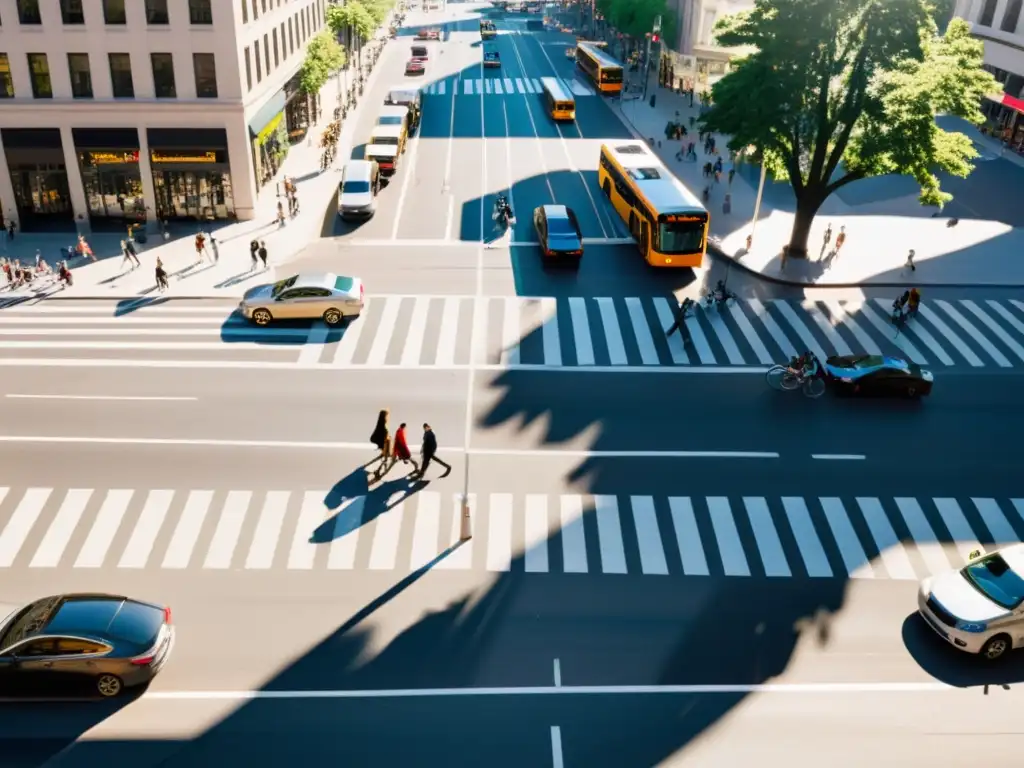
<point>807,206</point>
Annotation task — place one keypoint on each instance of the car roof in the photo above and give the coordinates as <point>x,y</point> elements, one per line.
<point>393,110</point>
<point>315,280</point>
<point>388,131</point>
<point>357,169</point>
<point>556,211</point>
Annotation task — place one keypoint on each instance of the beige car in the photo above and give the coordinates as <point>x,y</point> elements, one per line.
<point>314,296</point>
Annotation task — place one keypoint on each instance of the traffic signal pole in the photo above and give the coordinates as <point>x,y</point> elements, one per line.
<point>652,37</point>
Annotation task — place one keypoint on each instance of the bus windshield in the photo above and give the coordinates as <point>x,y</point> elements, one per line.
<point>564,105</point>
<point>680,236</point>
<point>611,75</point>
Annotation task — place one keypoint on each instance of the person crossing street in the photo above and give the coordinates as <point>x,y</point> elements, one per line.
<point>429,453</point>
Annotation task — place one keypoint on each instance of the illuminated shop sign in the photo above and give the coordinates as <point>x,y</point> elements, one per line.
<point>200,157</point>
<point>674,219</point>
<point>111,158</point>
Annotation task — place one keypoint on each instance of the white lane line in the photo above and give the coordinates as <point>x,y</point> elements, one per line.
<point>59,533</point>
<point>549,332</point>
<point>824,324</point>
<point>802,331</point>
<point>648,537</point>
<point>747,329</point>
<point>557,760</point>
<point>384,551</point>
<point>996,522</point>
<point>499,533</point>
<point>225,536</point>
<point>609,534</point>
<point>774,330</point>
<point>103,530</point>
<point>449,332</point>
<point>884,326</point>
<point>642,332</point>
<point>854,558</point>
<point>691,550</point>
<point>993,326</point>
<point>511,330</point>
<point>348,521</point>
<point>811,689</point>
<point>811,550</point>
<point>956,523</point>
<point>838,456</point>
<point>892,552</point>
<point>558,673</point>
<point>700,342</point>
<point>186,532</point>
<point>971,330</point>
<point>408,171</point>
<point>368,446</point>
<point>581,331</point>
<point>721,331</point>
<point>147,529</point>
<point>346,346</point>
<point>268,531</point>
<point>414,335</point>
<point>303,550</point>
<point>385,332</point>
<point>612,336</point>
<point>535,558</point>
<point>766,536</point>
<point>928,544</point>
<point>840,314</point>
<point>103,397</point>
<point>426,530</point>
<point>314,345</point>
<point>730,548</point>
<point>666,318</point>
<point>574,544</point>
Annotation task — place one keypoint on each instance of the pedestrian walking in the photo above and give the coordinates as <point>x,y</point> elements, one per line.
<point>161,276</point>
<point>127,257</point>
<point>200,246</point>
<point>827,238</point>
<point>130,245</point>
<point>281,218</point>
<point>910,261</point>
<point>381,439</point>
<point>263,253</point>
<point>11,227</point>
<point>254,252</point>
<point>85,249</point>
<point>429,453</point>
<point>401,450</point>
<point>732,172</point>
<point>215,249</point>
<point>840,240</point>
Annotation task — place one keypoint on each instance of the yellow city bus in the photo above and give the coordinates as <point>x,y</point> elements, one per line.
<point>560,102</point>
<point>668,222</point>
<point>605,71</point>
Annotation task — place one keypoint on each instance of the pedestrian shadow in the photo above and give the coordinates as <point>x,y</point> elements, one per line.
<point>375,502</point>
<point>192,271</point>
<point>241,277</point>
<point>127,306</point>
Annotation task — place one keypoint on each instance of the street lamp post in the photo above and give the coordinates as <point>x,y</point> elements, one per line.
<point>652,37</point>
<point>757,202</point>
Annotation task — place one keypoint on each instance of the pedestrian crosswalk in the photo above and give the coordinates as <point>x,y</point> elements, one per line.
<point>719,536</point>
<point>496,86</point>
<point>452,332</point>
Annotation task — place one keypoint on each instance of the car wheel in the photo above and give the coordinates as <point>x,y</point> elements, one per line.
<point>333,317</point>
<point>995,647</point>
<point>109,686</point>
<point>262,317</point>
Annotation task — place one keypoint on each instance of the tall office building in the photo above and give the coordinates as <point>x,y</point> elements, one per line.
<point>999,24</point>
<point>169,109</point>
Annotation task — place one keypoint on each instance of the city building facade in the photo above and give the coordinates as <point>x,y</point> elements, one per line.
<point>115,110</point>
<point>999,24</point>
<point>693,57</point>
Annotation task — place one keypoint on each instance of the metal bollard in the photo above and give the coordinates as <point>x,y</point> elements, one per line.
<point>466,527</point>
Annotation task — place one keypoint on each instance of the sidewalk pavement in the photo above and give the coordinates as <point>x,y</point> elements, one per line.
<point>232,274</point>
<point>879,232</point>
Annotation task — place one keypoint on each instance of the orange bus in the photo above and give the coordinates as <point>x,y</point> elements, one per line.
<point>605,71</point>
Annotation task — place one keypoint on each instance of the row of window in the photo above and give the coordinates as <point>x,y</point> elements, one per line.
<point>265,6</point>
<point>283,41</point>
<point>121,81</point>
<point>72,12</point>
<point>1011,16</point>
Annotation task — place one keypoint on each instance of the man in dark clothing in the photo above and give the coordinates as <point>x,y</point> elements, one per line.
<point>429,453</point>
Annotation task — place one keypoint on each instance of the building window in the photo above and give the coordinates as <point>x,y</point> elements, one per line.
<point>302,21</point>
<point>259,65</point>
<point>156,12</point>
<point>1012,16</point>
<point>206,75</point>
<point>291,36</point>
<point>255,11</point>
<point>6,81</point>
<point>266,53</point>
<point>264,4</point>
<point>277,60</point>
<point>248,69</point>
<point>28,12</point>
<point>81,75</point>
<point>163,75</point>
<point>122,85</point>
<point>284,44</point>
<point>71,12</point>
<point>39,69</point>
<point>988,12</point>
<point>245,11</point>
<point>200,12</point>
<point>113,12</point>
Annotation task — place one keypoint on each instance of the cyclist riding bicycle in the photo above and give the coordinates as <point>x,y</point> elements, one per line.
<point>804,367</point>
<point>913,301</point>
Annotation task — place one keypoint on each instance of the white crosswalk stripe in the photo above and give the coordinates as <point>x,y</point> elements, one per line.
<point>405,331</point>
<point>206,531</point>
<point>498,86</point>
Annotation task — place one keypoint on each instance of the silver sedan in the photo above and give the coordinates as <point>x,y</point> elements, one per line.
<point>320,296</point>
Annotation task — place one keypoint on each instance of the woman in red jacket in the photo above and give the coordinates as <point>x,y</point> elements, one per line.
<point>401,450</point>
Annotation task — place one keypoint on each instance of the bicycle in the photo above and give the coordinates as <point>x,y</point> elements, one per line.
<point>783,379</point>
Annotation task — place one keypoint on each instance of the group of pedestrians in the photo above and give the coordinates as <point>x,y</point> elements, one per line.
<point>396,448</point>
<point>258,253</point>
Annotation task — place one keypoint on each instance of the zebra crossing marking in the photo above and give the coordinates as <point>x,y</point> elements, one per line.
<point>496,86</point>
<point>609,534</point>
<point>614,334</point>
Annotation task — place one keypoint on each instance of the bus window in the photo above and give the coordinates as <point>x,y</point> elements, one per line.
<point>681,235</point>
<point>565,106</point>
<point>611,75</point>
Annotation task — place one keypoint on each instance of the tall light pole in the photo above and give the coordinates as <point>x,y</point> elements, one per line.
<point>652,37</point>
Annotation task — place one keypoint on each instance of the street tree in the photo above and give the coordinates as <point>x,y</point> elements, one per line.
<point>636,17</point>
<point>354,17</point>
<point>324,57</point>
<point>841,90</point>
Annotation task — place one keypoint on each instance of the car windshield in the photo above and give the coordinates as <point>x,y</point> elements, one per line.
<point>389,120</point>
<point>355,187</point>
<point>994,578</point>
<point>386,141</point>
<point>31,619</point>
<point>560,226</point>
<point>283,285</point>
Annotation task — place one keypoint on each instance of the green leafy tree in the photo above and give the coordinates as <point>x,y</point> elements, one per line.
<point>636,17</point>
<point>840,90</point>
<point>324,57</point>
<point>356,18</point>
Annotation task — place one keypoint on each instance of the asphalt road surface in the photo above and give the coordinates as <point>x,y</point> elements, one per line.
<point>670,563</point>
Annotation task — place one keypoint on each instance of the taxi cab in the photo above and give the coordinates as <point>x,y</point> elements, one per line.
<point>979,608</point>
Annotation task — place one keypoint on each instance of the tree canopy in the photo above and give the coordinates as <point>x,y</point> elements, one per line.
<point>352,15</point>
<point>324,56</point>
<point>636,17</point>
<point>840,90</point>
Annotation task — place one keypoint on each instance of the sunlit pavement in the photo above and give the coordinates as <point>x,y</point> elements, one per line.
<point>669,563</point>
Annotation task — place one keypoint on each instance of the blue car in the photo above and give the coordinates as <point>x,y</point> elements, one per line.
<point>877,376</point>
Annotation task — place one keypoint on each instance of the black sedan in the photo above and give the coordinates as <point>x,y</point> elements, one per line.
<point>877,375</point>
<point>101,642</point>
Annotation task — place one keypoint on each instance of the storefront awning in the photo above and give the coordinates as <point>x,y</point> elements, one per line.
<point>1008,101</point>
<point>267,114</point>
